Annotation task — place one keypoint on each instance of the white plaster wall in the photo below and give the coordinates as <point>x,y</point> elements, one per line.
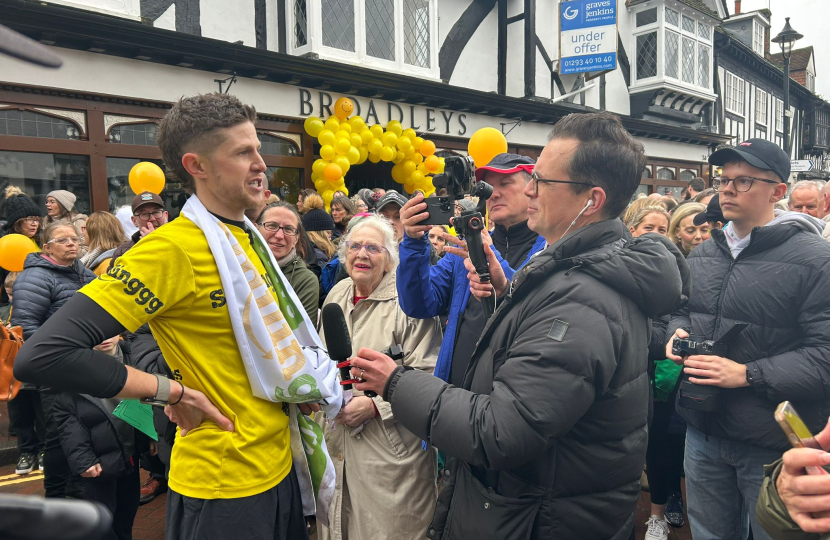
<point>228,20</point>
<point>477,67</point>
<point>167,19</point>
<point>130,9</point>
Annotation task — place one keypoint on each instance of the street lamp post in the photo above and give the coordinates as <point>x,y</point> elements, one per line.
<point>786,39</point>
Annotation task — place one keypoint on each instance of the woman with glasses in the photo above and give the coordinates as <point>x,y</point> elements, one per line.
<point>46,283</point>
<point>385,477</point>
<point>282,229</point>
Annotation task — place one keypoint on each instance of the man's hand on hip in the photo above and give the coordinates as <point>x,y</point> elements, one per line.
<point>192,409</point>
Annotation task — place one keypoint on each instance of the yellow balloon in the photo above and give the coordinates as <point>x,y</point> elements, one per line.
<point>13,251</point>
<point>357,124</point>
<point>332,124</point>
<point>327,152</point>
<point>343,107</point>
<point>364,154</point>
<point>327,196</point>
<point>389,139</point>
<point>408,187</point>
<point>374,158</point>
<point>394,127</point>
<point>332,172</point>
<point>399,157</point>
<point>375,146</point>
<point>387,154</point>
<point>146,176</point>
<point>417,158</point>
<point>432,163</point>
<point>342,187</point>
<point>422,169</point>
<point>398,174</point>
<point>341,146</point>
<point>416,177</point>
<point>342,134</point>
<point>410,134</point>
<point>366,136</point>
<point>353,155</point>
<point>320,184</point>
<point>326,137</point>
<point>409,152</point>
<point>314,176</point>
<point>404,143</point>
<point>318,166</point>
<point>417,142</point>
<point>485,144</point>
<point>377,131</point>
<point>408,167</point>
<point>313,126</point>
<point>440,167</point>
<point>356,140</point>
<point>344,126</point>
<point>344,164</point>
<point>427,148</point>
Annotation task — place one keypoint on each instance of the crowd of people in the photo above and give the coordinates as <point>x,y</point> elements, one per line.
<point>542,421</point>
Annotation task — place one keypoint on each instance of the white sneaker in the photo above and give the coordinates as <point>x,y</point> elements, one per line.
<point>658,528</point>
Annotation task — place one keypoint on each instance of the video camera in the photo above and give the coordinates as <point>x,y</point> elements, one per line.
<point>703,397</point>
<point>459,179</point>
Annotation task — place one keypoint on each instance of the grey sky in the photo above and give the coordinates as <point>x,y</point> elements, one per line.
<point>808,17</point>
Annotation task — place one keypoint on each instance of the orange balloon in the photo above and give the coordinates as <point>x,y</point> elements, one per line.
<point>432,163</point>
<point>485,144</point>
<point>343,107</point>
<point>332,172</point>
<point>13,251</point>
<point>427,148</point>
<point>146,176</point>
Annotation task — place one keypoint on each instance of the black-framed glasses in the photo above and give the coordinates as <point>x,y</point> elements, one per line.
<point>146,215</point>
<point>31,219</point>
<point>741,184</point>
<point>371,249</point>
<point>536,181</point>
<point>273,226</point>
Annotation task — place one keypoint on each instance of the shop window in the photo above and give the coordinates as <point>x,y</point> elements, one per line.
<point>140,134</point>
<point>642,190</point>
<point>647,55</point>
<point>277,146</point>
<point>37,174</point>
<point>665,173</point>
<point>120,193</point>
<point>676,192</point>
<point>31,124</point>
<point>687,175</point>
<point>285,182</point>
<point>647,172</point>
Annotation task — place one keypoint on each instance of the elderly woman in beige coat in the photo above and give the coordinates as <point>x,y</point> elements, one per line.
<point>385,477</point>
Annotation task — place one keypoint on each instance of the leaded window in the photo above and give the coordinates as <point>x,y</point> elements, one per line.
<point>416,32</point>
<point>688,57</point>
<point>704,30</point>
<point>338,24</point>
<point>31,124</point>
<point>277,146</point>
<point>688,24</point>
<point>665,173</point>
<point>672,44</point>
<point>647,55</point>
<point>380,29</point>
<point>672,17</point>
<point>647,17</point>
<point>703,65</point>
<point>300,23</point>
<point>140,134</point>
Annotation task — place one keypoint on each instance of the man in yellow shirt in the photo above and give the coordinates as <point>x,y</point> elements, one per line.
<point>231,470</point>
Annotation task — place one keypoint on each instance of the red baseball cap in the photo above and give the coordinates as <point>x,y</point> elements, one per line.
<point>507,164</point>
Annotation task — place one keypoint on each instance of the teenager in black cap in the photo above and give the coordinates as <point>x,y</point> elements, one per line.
<point>768,269</point>
<point>713,215</point>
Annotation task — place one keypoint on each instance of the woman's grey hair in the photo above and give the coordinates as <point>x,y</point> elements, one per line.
<point>50,230</point>
<point>381,225</point>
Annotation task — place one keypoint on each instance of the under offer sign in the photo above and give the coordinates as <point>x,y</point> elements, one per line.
<point>588,36</point>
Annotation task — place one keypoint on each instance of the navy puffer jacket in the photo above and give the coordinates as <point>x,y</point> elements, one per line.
<point>42,288</point>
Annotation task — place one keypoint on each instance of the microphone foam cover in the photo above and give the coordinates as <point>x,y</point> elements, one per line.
<point>337,333</point>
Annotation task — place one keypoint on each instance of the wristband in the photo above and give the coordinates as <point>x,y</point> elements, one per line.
<point>162,396</point>
<point>180,396</point>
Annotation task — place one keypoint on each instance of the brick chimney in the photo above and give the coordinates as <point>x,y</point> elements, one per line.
<point>737,7</point>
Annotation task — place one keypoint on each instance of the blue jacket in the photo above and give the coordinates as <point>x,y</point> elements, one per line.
<point>425,291</point>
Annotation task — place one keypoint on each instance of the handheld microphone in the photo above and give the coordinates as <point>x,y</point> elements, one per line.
<point>338,341</point>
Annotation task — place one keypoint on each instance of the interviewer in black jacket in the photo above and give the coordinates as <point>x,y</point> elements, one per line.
<point>47,281</point>
<point>547,437</point>
<point>770,270</point>
<point>102,450</point>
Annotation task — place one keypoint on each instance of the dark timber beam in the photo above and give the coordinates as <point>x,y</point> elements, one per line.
<point>502,48</point>
<point>530,48</point>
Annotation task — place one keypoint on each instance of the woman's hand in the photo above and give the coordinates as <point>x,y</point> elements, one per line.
<point>92,472</point>
<point>356,411</point>
<point>373,368</point>
<point>192,409</point>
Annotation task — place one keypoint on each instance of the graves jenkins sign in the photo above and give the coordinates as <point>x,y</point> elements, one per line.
<point>587,36</point>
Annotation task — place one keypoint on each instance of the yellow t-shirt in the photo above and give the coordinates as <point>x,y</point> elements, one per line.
<point>170,280</point>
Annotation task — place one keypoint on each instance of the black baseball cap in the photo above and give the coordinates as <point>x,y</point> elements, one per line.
<point>507,164</point>
<point>759,153</point>
<point>713,213</point>
<point>391,196</point>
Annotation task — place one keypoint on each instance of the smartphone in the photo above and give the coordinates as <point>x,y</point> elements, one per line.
<point>440,209</point>
<point>797,432</point>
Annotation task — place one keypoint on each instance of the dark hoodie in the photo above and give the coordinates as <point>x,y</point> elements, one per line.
<point>547,437</point>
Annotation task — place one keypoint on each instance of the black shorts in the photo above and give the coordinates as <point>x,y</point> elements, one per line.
<point>276,514</point>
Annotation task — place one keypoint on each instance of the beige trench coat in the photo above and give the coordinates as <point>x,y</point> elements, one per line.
<point>385,480</point>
